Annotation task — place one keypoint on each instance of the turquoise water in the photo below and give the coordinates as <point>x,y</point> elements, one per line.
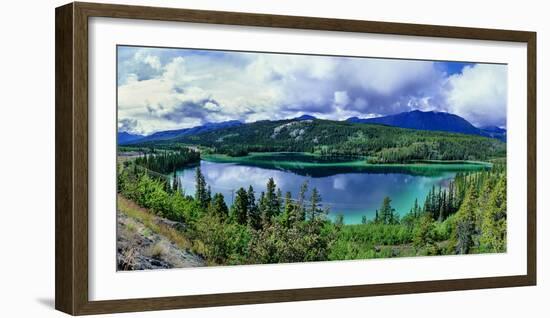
<point>352,190</point>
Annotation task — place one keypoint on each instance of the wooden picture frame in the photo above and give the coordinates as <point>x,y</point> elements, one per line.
<point>71,90</point>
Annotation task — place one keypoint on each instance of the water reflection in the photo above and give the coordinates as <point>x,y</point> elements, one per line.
<point>351,192</point>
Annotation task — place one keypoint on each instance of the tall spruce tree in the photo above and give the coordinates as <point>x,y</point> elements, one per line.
<point>315,209</point>
<point>416,209</point>
<point>387,213</point>
<point>240,207</point>
<point>254,217</point>
<point>442,206</point>
<point>218,207</point>
<point>301,209</point>
<point>271,204</point>
<point>288,218</point>
<point>201,193</point>
<point>462,236</point>
<point>493,226</point>
<point>263,207</point>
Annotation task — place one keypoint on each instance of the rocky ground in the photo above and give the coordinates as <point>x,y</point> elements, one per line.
<point>139,248</point>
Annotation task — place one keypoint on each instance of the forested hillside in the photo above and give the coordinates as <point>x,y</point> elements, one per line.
<point>381,144</point>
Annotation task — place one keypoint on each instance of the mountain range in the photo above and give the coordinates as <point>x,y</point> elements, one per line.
<point>433,121</point>
<point>418,120</point>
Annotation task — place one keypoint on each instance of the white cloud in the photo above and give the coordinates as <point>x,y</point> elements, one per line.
<point>163,89</point>
<point>152,61</point>
<point>341,99</point>
<point>386,76</point>
<point>479,94</point>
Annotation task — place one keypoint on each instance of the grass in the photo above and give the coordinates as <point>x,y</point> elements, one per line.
<point>149,220</point>
<point>157,251</point>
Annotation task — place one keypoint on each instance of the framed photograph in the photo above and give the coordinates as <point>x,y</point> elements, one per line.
<point>236,158</point>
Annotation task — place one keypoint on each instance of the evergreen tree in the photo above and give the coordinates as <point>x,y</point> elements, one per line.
<point>428,203</point>
<point>175,183</point>
<point>450,199</point>
<point>279,201</point>
<point>218,207</point>
<point>387,213</point>
<point>264,208</point>
<point>289,213</point>
<point>271,202</point>
<point>493,226</point>
<point>240,207</point>
<point>201,193</point>
<point>416,209</point>
<point>315,205</point>
<point>423,233</point>
<point>208,197</point>
<point>464,230</point>
<point>301,210</point>
<point>254,218</point>
<point>442,205</point>
<point>434,206</point>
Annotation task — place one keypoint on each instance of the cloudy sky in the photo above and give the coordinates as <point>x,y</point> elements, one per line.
<point>161,89</point>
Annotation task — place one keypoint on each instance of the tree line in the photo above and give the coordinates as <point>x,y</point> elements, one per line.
<point>167,161</point>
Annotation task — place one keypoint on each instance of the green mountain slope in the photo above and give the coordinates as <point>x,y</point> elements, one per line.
<point>379,143</point>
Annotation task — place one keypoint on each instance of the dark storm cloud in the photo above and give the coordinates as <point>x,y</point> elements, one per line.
<point>201,109</point>
<point>127,124</point>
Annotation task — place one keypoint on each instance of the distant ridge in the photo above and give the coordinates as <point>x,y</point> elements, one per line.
<point>304,117</point>
<point>432,121</point>
<point>170,134</point>
<point>126,137</point>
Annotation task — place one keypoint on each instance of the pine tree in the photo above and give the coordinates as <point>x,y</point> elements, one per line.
<point>463,233</point>
<point>493,225</point>
<point>208,197</point>
<point>433,203</point>
<point>254,218</point>
<point>240,207</point>
<point>301,210</point>
<point>218,207</point>
<point>201,194</point>
<point>416,209</point>
<point>175,184</point>
<point>279,201</point>
<point>271,201</point>
<point>450,199</point>
<point>442,205</point>
<point>428,202</point>
<point>387,213</point>
<point>315,205</point>
<point>289,213</point>
<point>263,208</point>
<point>423,233</point>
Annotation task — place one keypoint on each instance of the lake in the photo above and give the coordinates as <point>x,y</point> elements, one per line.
<point>347,186</point>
